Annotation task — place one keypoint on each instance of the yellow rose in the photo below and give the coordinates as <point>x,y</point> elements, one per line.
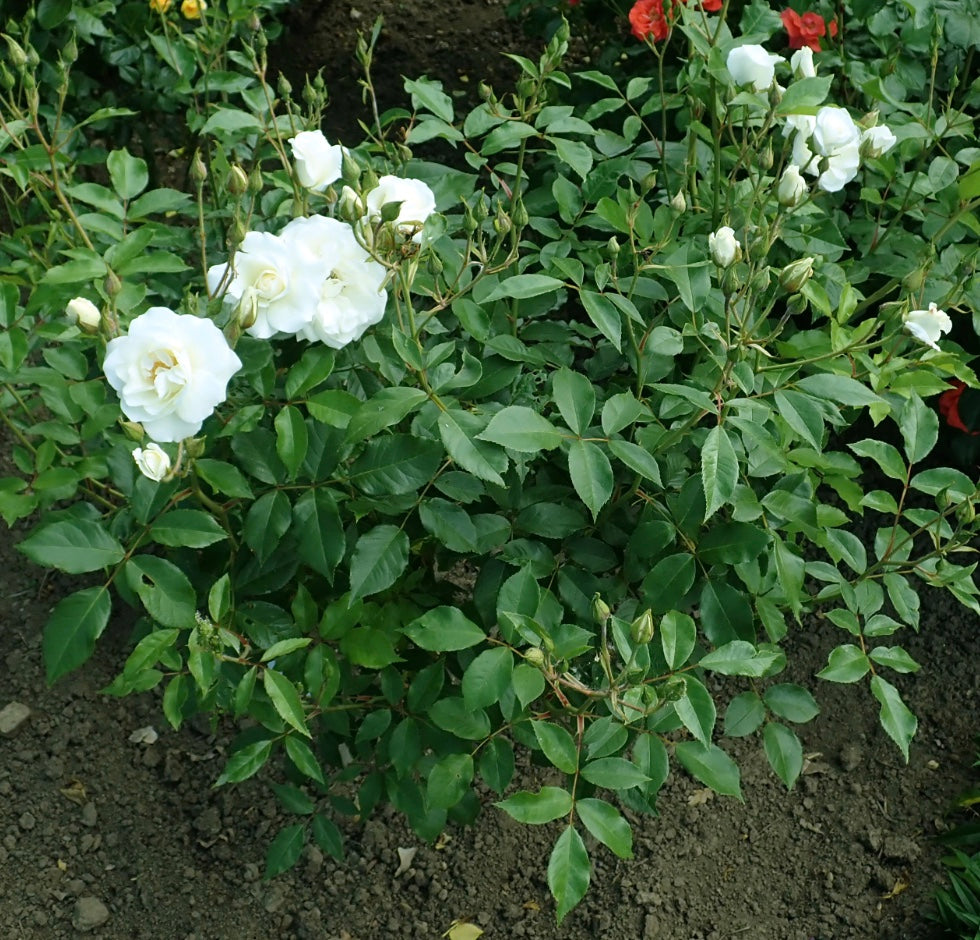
<point>160,6</point>
<point>192,9</point>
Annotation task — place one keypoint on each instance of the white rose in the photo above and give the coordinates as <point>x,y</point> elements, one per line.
<point>876,141</point>
<point>351,296</point>
<point>153,461</point>
<point>833,129</point>
<point>792,187</point>
<point>170,371</point>
<point>418,203</point>
<point>752,65</point>
<point>82,311</point>
<point>318,163</point>
<point>841,167</point>
<point>801,62</point>
<point>279,285</point>
<point>927,326</point>
<point>724,247</point>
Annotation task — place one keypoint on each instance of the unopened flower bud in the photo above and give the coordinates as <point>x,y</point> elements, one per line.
<point>612,247</point>
<point>6,79</point>
<point>501,223</point>
<point>237,181</point>
<point>254,23</point>
<point>534,655</point>
<point>642,629</point>
<point>69,51</point>
<point>648,183</point>
<point>796,274</point>
<point>600,609</point>
<point>486,93</point>
<point>877,141</point>
<point>801,62</point>
<point>194,446</point>
<point>519,216</point>
<point>283,86</point>
<point>913,281</point>
<point>792,187</point>
<point>82,311</point>
<point>248,308</point>
<point>255,180</point>
<point>236,233</point>
<point>674,689</point>
<point>18,58</point>
<point>199,172</point>
<point>766,158</point>
<point>112,284</point>
<point>679,203</point>
<point>724,247</point>
<point>153,461</point>
<point>796,305</point>
<point>132,429</point>
<point>869,120</point>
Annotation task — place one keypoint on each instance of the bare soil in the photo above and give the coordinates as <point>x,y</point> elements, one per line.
<point>106,835</point>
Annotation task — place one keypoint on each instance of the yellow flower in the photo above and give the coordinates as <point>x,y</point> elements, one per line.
<point>160,6</point>
<point>192,9</point>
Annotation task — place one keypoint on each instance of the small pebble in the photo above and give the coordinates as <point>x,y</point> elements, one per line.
<point>89,913</point>
<point>12,716</point>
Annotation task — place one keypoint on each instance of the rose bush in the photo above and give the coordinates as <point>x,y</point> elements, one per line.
<point>554,449</point>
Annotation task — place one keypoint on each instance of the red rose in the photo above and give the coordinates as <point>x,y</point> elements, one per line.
<point>711,6</point>
<point>806,30</point>
<point>647,18</point>
<point>949,407</point>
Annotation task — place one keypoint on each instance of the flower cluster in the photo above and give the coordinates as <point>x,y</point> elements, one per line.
<point>651,18</point>
<point>807,30</point>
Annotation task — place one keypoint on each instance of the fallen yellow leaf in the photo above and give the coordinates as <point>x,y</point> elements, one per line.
<point>900,886</point>
<point>461,930</point>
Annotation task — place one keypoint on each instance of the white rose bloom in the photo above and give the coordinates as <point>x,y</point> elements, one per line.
<point>279,284</point>
<point>841,167</point>
<point>752,65</point>
<point>792,187</point>
<point>833,129</point>
<point>170,371</point>
<point>153,461</point>
<point>826,146</point>
<point>927,326</point>
<point>878,140</point>
<point>82,311</point>
<point>723,246</point>
<point>318,163</point>
<point>801,62</point>
<point>418,203</point>
<point>351,297</point>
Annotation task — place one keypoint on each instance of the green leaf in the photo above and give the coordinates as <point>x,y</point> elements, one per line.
<point>396,464</point>
<point>497,764</point>
<point>370,647</point>
<point>591,474</point>
<point>245,762</point>
<point>784,751</point>
<point>190,528</point>
<point>292,439</point>
<point>450,524</point>
<point>285,647</point>
<point>894,657</point>
<point>177,693</point>
<point>148,651</point>
<point>522,429</point>
<point>574,395</point>
<point>919,425</point>
<point>534,809</point>
<point>614,773</point>
<point>285,850</point>
<point>668,582</point>
<point>712,766</point>
<point>732,543</point>
<point>606,823</point>
<point>678,634</point>
<point>637,458</point>
<point>449,780</point>
<point>267,521</point>
<point>558,745</point>
<point>744,714</point>
<point>452,715</point>
<point>802,415</point>
<point>696,709</point>
<point>569,871</point>
<point>487,677</point>
<point>166,592</point>
<point>129,174</point>
<point>379,559</point>
<point>605,315</point>
<point>802,94</point>
<point>846,663</point>
<point>887,457</point>
<point>429,94</point>
<point>719,470</point>
<point>791,702</point>
<point>477,458</point>
<point>739,658</point>
<point>300,753</point>
<point>322,541</point>
<point>223,477</point>
<point>328,837</point>
<point>72,629</point>
<point>285,699</point>
<point>522,286</point>
<point>382,410</point>
<point>899,723</point>
<point>528,683</point>
<point>72,545</point>
<point>230,120</point>
<point>839,389</point>
<point>444,630</point>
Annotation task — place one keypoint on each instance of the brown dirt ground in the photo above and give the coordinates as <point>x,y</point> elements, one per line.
<point>90,818</point>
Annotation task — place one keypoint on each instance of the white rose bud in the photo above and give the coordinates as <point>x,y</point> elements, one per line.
<point>876,141</point>
<point>796,274</point>
<point>792,187</point>
<point>679,202</point>
<point>82,311</point>
<point>801,62</point>
<point>724,247</point>
<point>318,163</point>
<point>752,65</point>
<point>927,326</point>
<point>417,200</point>
<point>153,461</point>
